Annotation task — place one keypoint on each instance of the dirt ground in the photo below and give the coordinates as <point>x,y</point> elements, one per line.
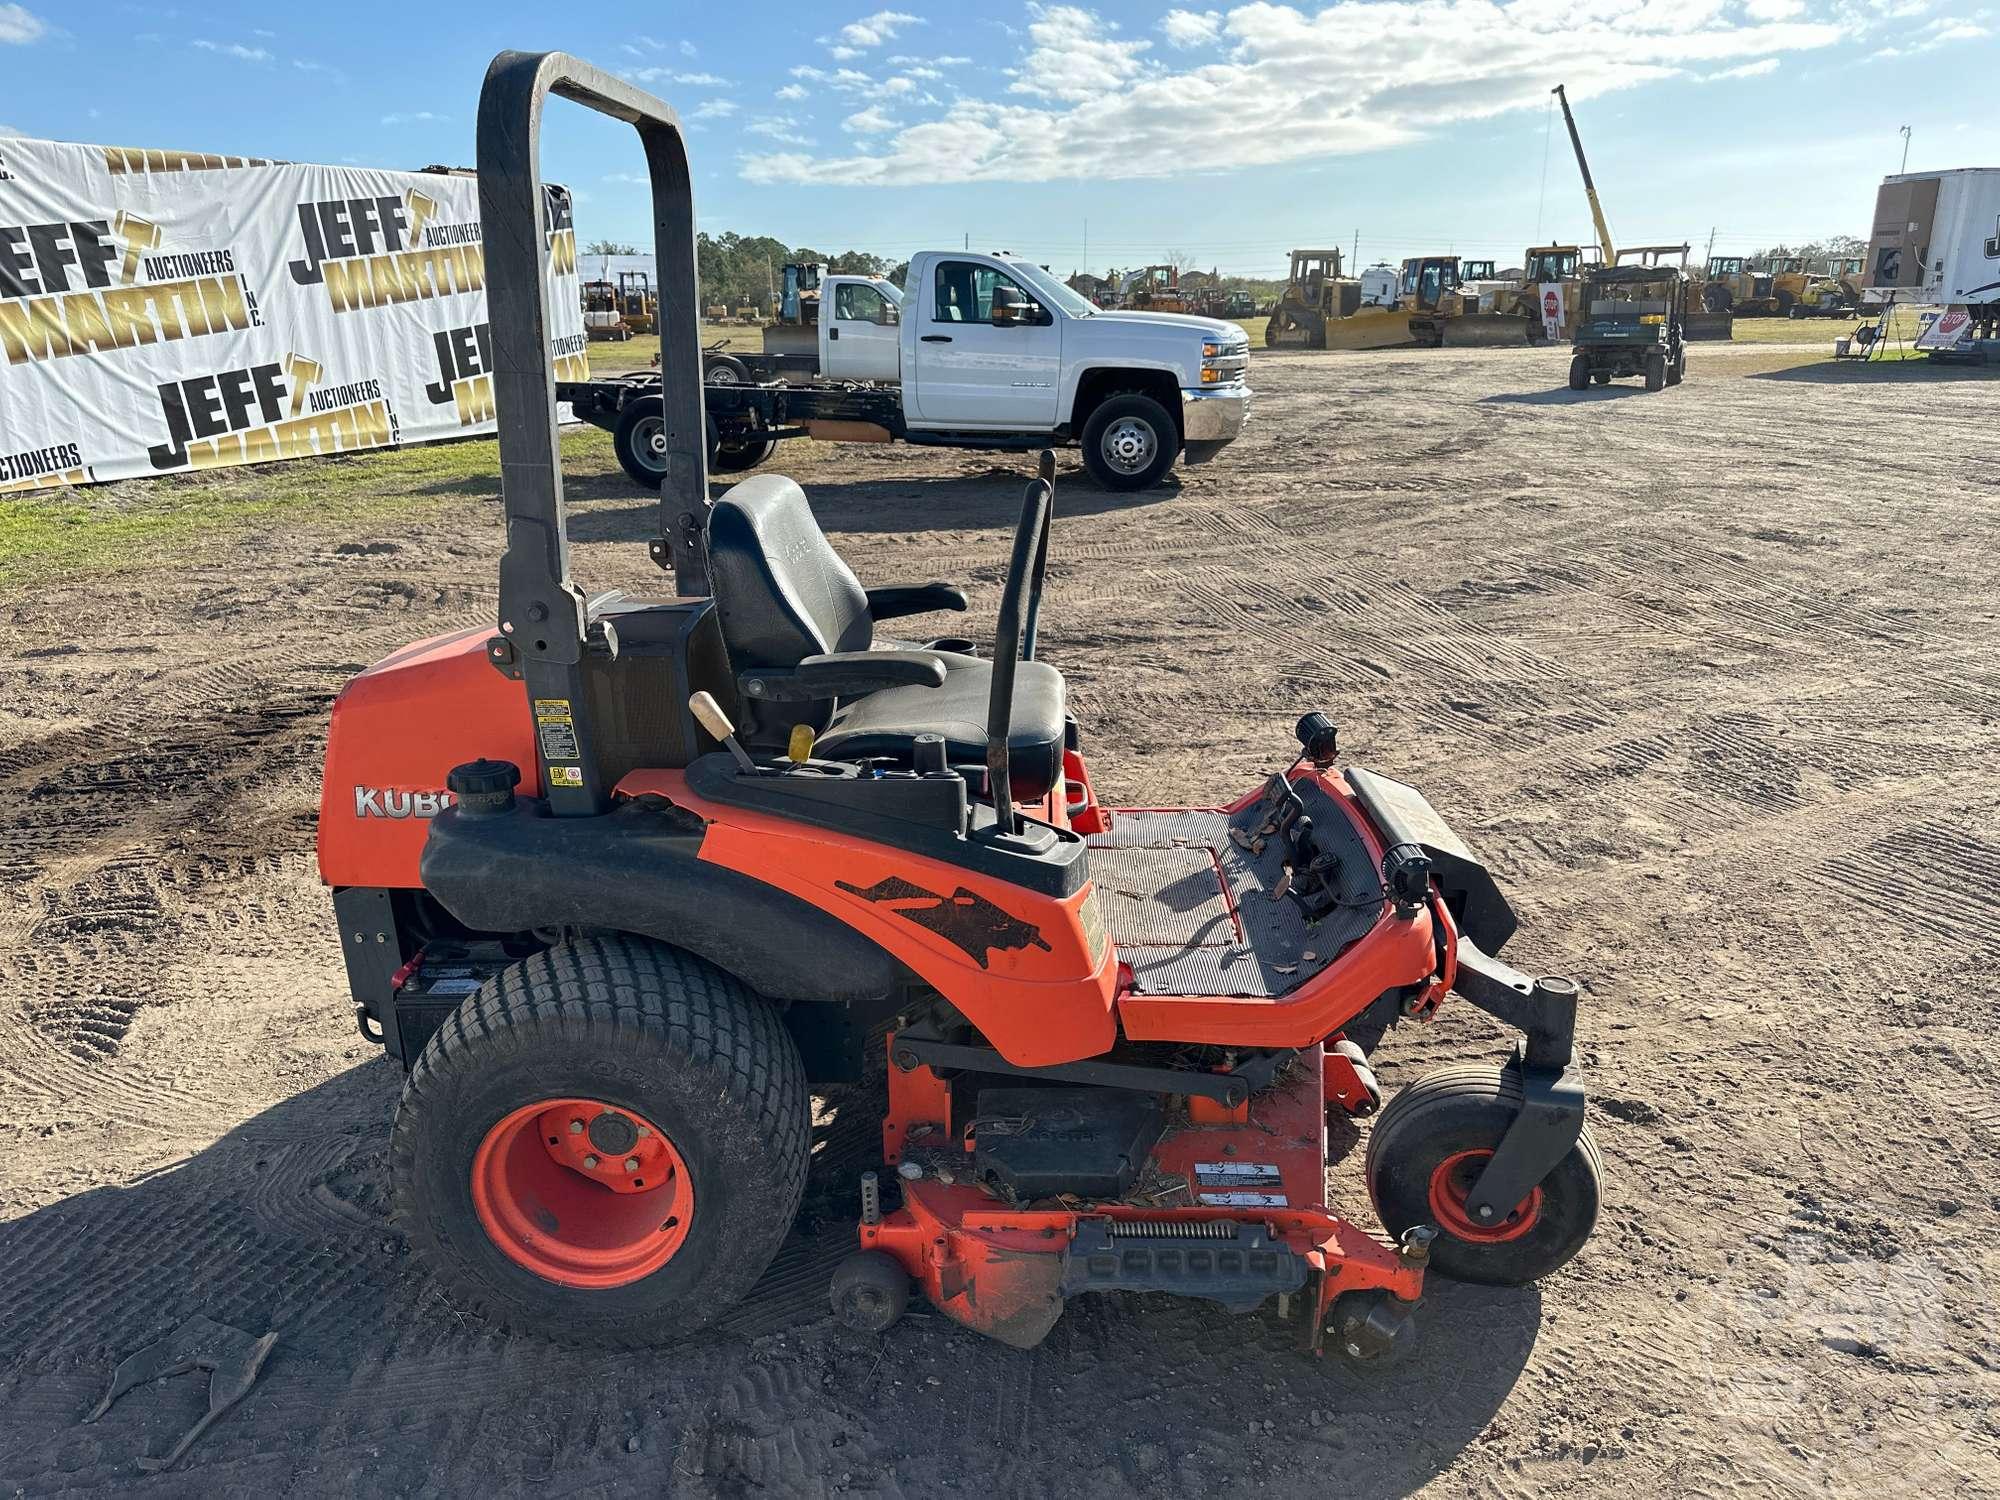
<point>1712,677</point>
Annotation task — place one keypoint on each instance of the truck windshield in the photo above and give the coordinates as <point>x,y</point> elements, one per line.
<point>1050,292</point>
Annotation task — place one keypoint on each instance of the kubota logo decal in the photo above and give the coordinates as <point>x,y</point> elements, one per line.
<point>388,802</point>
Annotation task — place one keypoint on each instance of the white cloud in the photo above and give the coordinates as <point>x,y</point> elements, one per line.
<point>1773,10</point>
<point>1075,56</point>
<point>675,75</point>
<point>844,54</point>
<point>419,117</point>
<point>630,179</point>
<point>793,91</point>
<point>260,31</point>
<point>1195,28</point>
<point>898,86</point>
<point>1762,68</point>
<point>687,48</point>
<point>870,121</point>
<point>777,128</point>
<point>6,130</point>
<point>873,31</point>
<point>1356,76</point>
<point>713,109</point>
<point>20,25</point>
<point>233,49</point>
<point>903,60</point>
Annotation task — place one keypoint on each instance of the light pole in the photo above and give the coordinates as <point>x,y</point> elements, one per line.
<point>1905,132</point>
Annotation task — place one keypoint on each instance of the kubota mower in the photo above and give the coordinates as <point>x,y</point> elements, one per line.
<point>621,881</point>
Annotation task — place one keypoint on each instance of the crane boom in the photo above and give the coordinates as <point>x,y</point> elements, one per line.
<point>1589,187</point>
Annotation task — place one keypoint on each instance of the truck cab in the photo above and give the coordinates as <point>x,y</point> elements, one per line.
<point>993,344</point>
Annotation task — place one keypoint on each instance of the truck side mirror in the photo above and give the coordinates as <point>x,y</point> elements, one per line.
<point>1009,307</point>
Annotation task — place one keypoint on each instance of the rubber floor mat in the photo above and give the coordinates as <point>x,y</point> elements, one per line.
<point>1193,899</point>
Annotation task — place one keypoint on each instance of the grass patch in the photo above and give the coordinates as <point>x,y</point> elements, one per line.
<point>137,520</point>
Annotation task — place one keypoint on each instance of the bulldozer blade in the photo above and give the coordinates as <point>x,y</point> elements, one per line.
<point>1485,331</point>
<point>1708,326</point>
<point>1370,328</point>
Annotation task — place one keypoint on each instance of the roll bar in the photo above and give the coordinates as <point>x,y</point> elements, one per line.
<point>542,614</point>
<point>1025,571</point>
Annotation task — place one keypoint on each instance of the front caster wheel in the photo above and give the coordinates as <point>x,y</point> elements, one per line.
<point>1426,1151</point>
<point>870,1291</point>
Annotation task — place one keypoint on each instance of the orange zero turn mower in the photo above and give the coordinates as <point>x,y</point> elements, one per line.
<point>622,881</point>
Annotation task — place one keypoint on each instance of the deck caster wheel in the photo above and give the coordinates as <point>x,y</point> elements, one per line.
<point>870,1291</point>
<point>1371,1329</point>
<point>1427,1149</point>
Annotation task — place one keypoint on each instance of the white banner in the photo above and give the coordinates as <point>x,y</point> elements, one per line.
<point>167,310</point>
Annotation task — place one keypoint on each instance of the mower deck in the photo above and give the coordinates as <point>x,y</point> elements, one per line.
<point>1229,1205</point>
<point>1198,903</point>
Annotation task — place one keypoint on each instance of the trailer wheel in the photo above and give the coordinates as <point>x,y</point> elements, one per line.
<point>1129,442</point>
<point>1427,1149</point>
<point>640,440</point>
<point>1579,373</point>
<point>605,1145</point>
<point>1656,371</point>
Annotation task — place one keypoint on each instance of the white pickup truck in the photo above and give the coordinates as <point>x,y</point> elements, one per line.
<point>974,351</point>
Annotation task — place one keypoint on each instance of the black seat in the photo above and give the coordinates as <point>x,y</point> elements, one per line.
<point>783,595</point>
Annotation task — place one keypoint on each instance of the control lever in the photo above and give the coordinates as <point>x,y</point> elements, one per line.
<point>711,717</point>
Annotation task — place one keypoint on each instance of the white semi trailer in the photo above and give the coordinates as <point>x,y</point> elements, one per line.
<point>1935,243</point>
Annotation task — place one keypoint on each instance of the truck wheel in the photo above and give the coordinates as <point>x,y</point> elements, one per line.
<point>1129,442</point>
<point>605,1145</point>
<point>1427,1149</point>
<point>1579,372</point>
<point>640,440</point>
<point>734,455</point>
<point>725,369</point>
<point>1656,371</point>
<point>1677,371</point>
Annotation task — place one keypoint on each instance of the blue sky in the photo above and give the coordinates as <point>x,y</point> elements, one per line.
<point>1228,133</point>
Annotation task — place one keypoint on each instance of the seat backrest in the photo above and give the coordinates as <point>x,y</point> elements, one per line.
<point>781,592</point>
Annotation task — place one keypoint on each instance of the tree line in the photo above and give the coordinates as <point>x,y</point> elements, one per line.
<point>738,270</point>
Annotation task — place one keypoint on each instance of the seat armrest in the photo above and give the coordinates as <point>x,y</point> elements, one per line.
<point>898,600</point>
<point>843,674</point>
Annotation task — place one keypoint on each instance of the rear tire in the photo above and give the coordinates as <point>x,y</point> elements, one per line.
<point>1677,371</point>
<point>725,369</point>
<point>1459,1115</point>
<point>1579,373</point>
<point>640,440</point>
<point>1129,442</point>
<point>653,1033</point>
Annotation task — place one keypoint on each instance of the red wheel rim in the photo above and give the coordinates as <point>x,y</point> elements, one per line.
<point>582,1193</point>
<point>1451,1186</point>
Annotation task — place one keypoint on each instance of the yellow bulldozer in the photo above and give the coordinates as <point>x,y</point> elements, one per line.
<point>1315,295</point>
<point>1463,304</point>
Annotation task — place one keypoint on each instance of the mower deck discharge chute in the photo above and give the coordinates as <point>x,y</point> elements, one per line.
<point>621,882</point>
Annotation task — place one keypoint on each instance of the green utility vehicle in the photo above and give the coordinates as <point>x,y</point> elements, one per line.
<point>1631,324</point>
